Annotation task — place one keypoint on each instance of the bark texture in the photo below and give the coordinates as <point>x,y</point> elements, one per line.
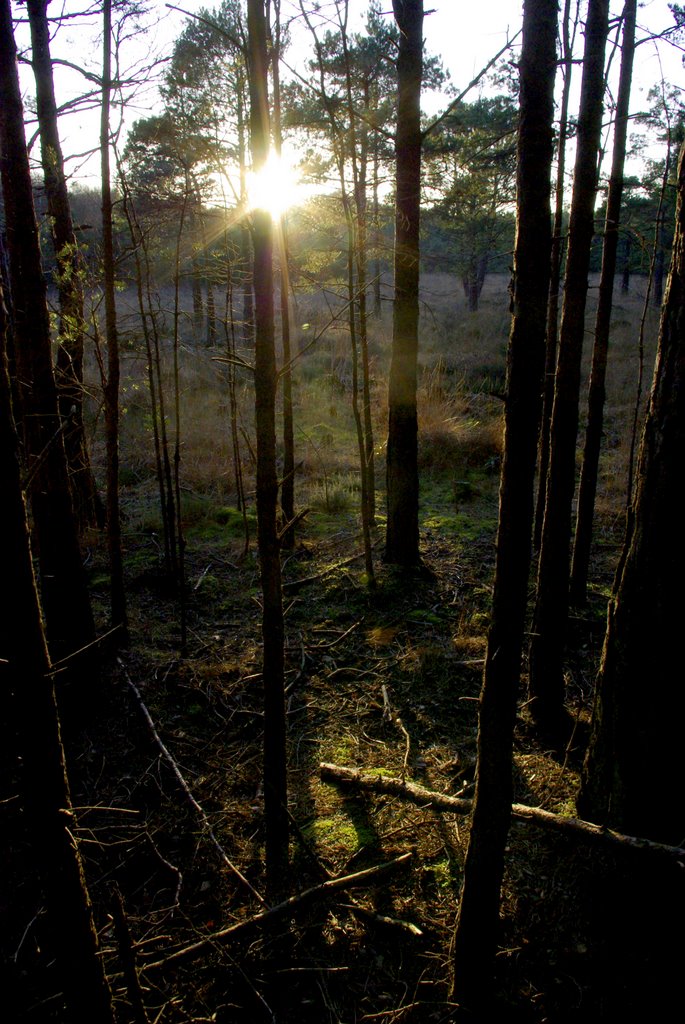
<point>402,535</point>
<point>63,586</point>
<point>597,391</point>
<point>551,609</point>
<point>558,245</point>
<point>633,776</point>
<point>69,369</point>
<point>478,920</point>
<point>111,384</point>
<point>27,685</point>
<point>275,777</point>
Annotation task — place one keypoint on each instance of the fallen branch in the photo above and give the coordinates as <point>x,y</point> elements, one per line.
<point>285,909</point>
<point>204,820</point>
<point>575,827</point>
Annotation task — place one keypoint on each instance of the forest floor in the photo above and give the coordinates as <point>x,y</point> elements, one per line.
<point>385,680</point>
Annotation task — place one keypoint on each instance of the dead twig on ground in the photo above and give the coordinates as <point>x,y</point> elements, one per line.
<point>286,909</point>
<point>204,820</point>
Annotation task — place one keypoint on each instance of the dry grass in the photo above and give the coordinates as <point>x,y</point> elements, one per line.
<point>462,362</point>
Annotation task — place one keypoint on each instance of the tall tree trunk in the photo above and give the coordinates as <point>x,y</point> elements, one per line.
<point>551,608</point>
<point>176,345</point>
<point>198,306</point>
<point>148,320</point>
<point>111,385</point>
<point>402,534</point>
<point>69,375</point>
<point>288,483</point>
<point>595,421</point>
<point>245,241</point>
<point>63,584</point>
<point>377,238</point>
<point>633,777</point>
<point>275,776</point>
<point>345,144</point>
<point>25,673</point>
<point>478,920</point>
<point>567,41</point>
<point>358,148</point>
<point>660,261</point>
<point>625,273</point>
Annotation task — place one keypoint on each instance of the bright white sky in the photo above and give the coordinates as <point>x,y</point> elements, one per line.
<point>465,33</point>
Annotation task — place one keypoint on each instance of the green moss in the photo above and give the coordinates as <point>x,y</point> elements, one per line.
<point>424,615</point>
<point>339,833</point>
<point>444,873</point>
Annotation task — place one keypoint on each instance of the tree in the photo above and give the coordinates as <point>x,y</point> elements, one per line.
<point>593,434</point>
<point>288,482</point>
<point>551,607</point>
<point>402,478</point>
<point>477,924</point>
<point>69,273</point>
<point>25,668</point>
<point>112,377</point>
<point>275,775</point>
<point>632,727</point>
<point>63,585</point>
<point>472,161</point>
<point>340,91</point>
<point>568,37</point>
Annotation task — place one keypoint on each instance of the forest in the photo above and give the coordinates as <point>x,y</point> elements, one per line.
<point>342,435</point>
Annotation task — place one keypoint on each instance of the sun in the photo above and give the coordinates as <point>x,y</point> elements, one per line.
<point>276,187</point>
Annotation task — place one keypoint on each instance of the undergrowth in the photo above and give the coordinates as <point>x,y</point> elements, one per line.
<point>385,681</point>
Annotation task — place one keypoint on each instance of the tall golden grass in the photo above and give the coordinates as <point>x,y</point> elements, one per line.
<point>461,380</point>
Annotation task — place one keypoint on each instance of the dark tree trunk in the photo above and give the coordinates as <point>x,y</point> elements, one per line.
<point>211,313</point>
<point>198,305</point>
<point>69,371</point>
<point>148,319</point>
<point>245,242</point>
<point>659,261</point>
<point>593,436</point>
<point>111,385</point>
<point>402,534</point>
<point>288,483</point>
<point>625,276</point>
<point>25,673</point>
<point>551,609</point>
<point>345,149</point>
<point>361,162</point>
<point>633,776</point>
<point>567,38</point>
<point>275,776</point>
<point>473,281</point>
<point>478,921</point>
<point>377,238</point>
<point>63,585</point>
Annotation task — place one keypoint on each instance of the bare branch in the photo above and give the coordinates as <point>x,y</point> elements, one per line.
<point>472,84</point>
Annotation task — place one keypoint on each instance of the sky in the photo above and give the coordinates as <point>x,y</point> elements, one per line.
<point>466,34</point>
